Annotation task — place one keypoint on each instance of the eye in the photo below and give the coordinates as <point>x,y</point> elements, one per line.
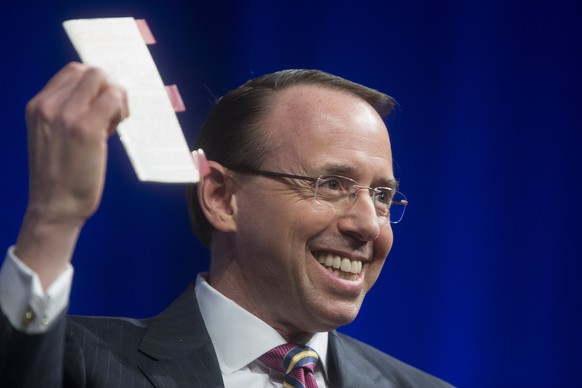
<point>384,196</point>
<point>332,183</point>
<point>333,188</point>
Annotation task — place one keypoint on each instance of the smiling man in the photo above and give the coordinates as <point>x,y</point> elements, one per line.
<point>296,210</point>
<point>271,265</point>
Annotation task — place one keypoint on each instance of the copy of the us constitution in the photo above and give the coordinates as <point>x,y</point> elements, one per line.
<point>152,135</point>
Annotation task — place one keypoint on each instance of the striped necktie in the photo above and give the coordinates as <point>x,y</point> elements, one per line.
<point>295,363</point>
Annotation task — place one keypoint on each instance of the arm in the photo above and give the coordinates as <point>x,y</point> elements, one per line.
<point>69,122</point>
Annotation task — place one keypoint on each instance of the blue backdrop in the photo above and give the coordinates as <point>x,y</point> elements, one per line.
<point>483,286</point>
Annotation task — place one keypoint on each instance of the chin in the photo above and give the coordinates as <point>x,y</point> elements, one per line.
<point>334,315</point>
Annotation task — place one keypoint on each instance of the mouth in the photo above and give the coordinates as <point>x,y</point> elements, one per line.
<point>342,267</point>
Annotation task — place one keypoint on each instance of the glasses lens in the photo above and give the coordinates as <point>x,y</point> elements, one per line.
<point>397,207</point>
<point>334,191</point>
<point>340,192</point>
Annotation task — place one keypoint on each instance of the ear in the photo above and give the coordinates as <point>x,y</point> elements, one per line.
<point>216,197</point>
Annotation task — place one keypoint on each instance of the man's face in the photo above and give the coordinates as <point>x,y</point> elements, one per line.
<point>282,232</point>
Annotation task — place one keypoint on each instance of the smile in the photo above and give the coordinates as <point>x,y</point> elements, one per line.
<point>342,267</point>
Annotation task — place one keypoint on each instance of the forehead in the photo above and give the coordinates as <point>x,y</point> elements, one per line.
<point>317,127</point>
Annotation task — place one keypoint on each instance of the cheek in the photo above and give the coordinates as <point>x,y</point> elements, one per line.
<point>384,242</point>
<point>382,247</point>
<point>306,218</point>
<point>280,232</point>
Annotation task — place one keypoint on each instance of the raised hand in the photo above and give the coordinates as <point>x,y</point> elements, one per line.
<point>69,122</point>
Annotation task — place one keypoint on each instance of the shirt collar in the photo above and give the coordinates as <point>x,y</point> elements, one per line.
<point>238,336</point>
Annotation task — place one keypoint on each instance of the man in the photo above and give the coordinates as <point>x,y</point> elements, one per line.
<point>296,211</point>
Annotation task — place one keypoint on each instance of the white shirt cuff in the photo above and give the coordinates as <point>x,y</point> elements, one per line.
<point>22,299</point>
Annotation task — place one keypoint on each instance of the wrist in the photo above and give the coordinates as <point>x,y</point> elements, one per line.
<point>46,244</point>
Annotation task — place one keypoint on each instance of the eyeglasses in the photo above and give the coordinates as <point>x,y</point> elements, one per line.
<point>341,192</point>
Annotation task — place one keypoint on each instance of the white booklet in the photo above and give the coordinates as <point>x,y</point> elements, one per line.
<point>152,135</point>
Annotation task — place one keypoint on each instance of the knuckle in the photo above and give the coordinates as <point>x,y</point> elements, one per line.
<point>71,120</point>
<point>75,67</point>
<point>96,73</point>
<point>114,98</point>
<point>41,108</point>
<point>79,129</point>
<point>31,107</point>
<point>83,71</point>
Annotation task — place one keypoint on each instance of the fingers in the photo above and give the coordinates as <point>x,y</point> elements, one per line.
<point>80,97</point>
<point>63,77</point>
<point>108,109</point>
<point>96,94</point>
<point>69,121</point>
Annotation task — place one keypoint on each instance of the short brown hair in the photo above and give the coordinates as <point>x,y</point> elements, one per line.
<point>232,136</point>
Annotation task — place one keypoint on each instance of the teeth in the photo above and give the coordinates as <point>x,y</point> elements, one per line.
<point>342,267</point>
<point>346,265</point>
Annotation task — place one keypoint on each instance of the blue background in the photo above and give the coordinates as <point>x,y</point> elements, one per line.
<point>483,286</point>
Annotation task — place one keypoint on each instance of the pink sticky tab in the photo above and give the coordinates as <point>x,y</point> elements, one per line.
<point>175,98</point>
<point>201,162</point>
<point>145,31</point>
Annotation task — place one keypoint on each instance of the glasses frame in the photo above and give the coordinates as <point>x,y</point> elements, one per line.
<point>274,175</point>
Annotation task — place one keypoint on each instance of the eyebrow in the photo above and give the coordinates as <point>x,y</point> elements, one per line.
<point>337,169</point>
<point>349,171</point>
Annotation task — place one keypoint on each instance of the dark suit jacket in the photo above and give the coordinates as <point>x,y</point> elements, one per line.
<point>170,350</point>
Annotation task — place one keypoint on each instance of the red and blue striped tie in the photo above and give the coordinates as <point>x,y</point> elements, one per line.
<point>295,363</point>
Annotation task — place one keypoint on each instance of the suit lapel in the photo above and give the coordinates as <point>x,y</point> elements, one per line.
<point>348,368</point>
<point>181,353</point>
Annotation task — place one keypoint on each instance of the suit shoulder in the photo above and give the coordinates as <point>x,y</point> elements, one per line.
<point>393,371</point>
<point>115,323</point>
<point>118,335</point>
<point>94,344</point>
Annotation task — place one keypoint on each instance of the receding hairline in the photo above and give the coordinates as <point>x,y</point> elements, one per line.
<point>281,93</point>
<point>296,108</point>
<point>285,79</point>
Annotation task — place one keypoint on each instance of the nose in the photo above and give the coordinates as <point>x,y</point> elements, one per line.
<point>360,219</point>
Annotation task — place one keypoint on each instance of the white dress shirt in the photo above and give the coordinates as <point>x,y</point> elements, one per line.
<point>239,338</point>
